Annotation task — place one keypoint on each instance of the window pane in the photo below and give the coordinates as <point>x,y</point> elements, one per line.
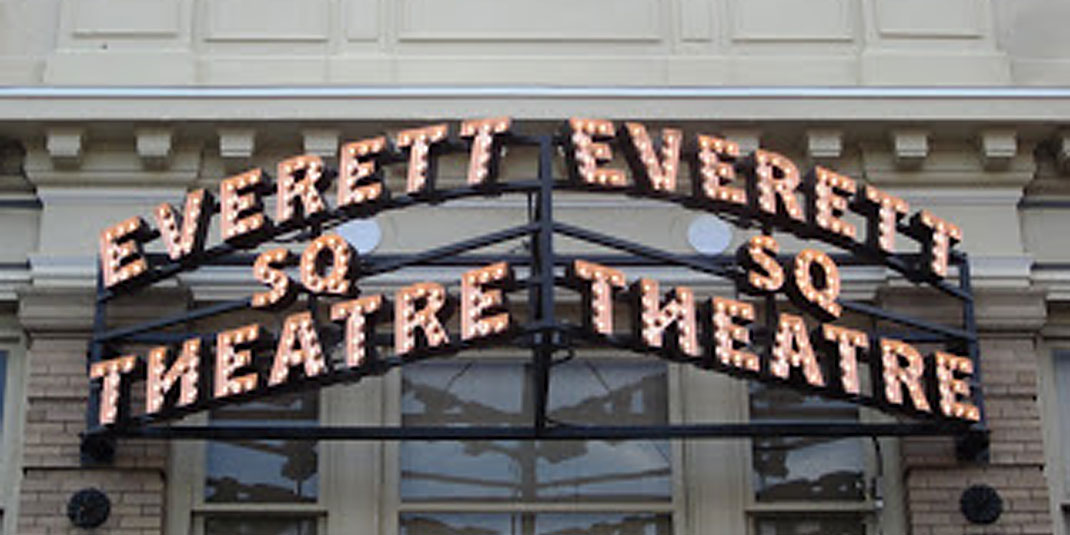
<point>498,393</point>
<point>259,526</point>
<point>805,468</point>
<point>1062,387</point>
<point>264,470</point>
<point>852,524</point>
<point>535,524</point>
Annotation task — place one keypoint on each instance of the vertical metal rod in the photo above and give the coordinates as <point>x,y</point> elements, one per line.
<point>969,320</point>
<point>544,262</point>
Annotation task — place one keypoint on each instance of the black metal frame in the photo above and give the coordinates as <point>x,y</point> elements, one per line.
<point>545,335</point>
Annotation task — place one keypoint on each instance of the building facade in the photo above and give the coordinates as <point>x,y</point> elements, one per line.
<point>114,106</point>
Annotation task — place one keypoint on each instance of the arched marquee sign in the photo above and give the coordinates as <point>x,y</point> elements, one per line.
<point>330,331</point>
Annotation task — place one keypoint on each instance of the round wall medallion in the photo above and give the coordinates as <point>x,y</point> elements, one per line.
<point>88,508</point>
<point>363,234</point>
<point>981,504</point>
<point>709,234</point>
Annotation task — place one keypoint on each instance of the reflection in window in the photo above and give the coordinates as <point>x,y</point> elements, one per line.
<point>259,526</point>
<point>498,393</point>
<point>535,524</point>
<point>258,471</point>
<point>846,524</point>
<point>805,468</point>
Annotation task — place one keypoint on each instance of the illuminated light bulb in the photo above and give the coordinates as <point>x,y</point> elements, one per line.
<point>298,345</point>
<point>419,142</point>
<point>425,318</point>
<point>731,336</point>
<point>300,180</point>
<point>476,300</point>
<point>267,270</point>
<point>159,379</point>
<point>883,212</point>
<point>764,273</point>
<point>111,373</point>
<point>831,192</point>
<point>821,301</point>
<point>483,132</point>
<point>121,256</point>
<point>896,375</point>
<point>587,152</point>
<point>848,343</point>
<point>359,179</point>
<point>952,376</point>
<point>599,291</point>
<point>792,349</point>
<point>232,354</point>
<point>241,209</point>
<point>679,310</point>
<point>337,279</point>
<point>656,173</point>
<point>776,177</point>
<point>716,171</point>
<point>937,236</point>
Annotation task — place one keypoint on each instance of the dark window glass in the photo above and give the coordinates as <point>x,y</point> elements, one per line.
<point>805,468</point>
<point>259,526</point>
<point>536,524</point>
<point>3,385</point>
<point>846,524</point>
<point>583,391</point>
<point>264,470</point>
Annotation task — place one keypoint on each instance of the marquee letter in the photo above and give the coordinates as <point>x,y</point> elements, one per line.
<point>476,300</point>
<point>359,180</point>
<point>776,177</point>
<point>299,181</point>
<point>111,371</point>
<point>830,192</point>
<point>159,378</point>
<point>407,318</point>
<point>652,172</point>
<point>730,336</point>
<point>716,171</point>
<point>882,212</point>
<point>121,259</point>
<point>586,151</point>
<point>483,162</point>
<point>598,295</point>
<point>896,376</point>
<point>818,297</point>
<point>198,210</point>
<point>420,140</point>
<point>267,270</point>
<point>937,237</point>
<point>298,344</point>
<point>654,320</point>
<point>847,342</point>
<point>358,315</point>
<point>233,352</point>
<point>952,387</point>
<point>792,349</point>
<point>241,208</point>
<point>760,254</point>
<point>336,280</point>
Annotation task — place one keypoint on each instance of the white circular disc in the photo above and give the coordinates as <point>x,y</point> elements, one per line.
<point>709,235</point>
<point>363,234</point>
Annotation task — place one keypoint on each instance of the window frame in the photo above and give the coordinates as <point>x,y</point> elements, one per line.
<point>13,345</point>
<point>1056,432</point>
<point>393,506</point>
